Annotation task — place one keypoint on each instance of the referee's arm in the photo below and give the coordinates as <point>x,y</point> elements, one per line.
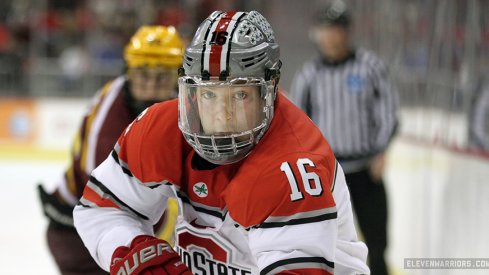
<point>385,107</point>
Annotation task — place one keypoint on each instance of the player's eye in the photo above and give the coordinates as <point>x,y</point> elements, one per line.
<point>240,95</point>
<point>208,94</point>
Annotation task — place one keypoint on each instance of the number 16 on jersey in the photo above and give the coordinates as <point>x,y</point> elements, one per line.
<point>309,179</point>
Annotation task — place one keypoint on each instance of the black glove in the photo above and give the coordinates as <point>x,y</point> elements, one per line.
<point>60,214</point>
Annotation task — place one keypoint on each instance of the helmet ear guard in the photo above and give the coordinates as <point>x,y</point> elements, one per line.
<point>273,73</point>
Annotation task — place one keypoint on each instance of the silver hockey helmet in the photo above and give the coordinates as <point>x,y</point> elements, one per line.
<point>228,84</point>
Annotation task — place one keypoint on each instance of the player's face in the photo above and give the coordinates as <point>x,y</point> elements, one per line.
<point>227,110</point>
<point>153,83</point>
<point>332,41</point>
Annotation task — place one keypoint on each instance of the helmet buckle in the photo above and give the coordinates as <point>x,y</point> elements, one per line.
<point>223,75</point>
<point>206,75</point>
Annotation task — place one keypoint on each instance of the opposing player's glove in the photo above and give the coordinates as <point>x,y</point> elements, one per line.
<point>147,255</point>
<point>60,214</point>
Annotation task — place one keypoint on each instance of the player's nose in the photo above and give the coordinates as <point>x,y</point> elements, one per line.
<point>223,111</point>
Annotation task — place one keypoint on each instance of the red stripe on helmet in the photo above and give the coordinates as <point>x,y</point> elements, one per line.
<point>216,49</point>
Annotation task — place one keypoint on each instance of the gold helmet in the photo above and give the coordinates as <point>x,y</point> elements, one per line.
<point>154,46</point>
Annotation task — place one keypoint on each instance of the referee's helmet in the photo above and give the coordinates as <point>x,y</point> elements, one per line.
<point>334,14</point>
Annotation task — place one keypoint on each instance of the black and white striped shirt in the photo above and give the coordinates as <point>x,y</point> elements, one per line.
<point>353,103</point>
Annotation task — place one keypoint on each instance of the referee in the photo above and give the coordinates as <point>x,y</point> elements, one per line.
<point>348,94</point>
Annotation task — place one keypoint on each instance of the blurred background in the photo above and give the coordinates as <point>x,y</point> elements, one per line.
<point>55,55</point>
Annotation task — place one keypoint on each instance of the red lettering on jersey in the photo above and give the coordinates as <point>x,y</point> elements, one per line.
<point>186,239</point>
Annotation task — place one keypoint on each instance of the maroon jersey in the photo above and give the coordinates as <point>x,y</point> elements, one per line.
<point>102,125</point>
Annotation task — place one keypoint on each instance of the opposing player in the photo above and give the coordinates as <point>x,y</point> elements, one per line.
<point>152,58</point>
<point>258,187</point>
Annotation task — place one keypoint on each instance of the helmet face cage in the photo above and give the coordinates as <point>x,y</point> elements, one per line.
<point>153,83</point>
<point>223,120</point>
<point>228,84</point>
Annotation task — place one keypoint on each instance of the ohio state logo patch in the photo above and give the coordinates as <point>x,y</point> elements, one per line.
<point>201,190</point>
<point>205,255</point>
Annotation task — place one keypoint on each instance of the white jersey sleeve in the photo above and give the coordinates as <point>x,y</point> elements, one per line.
<point>305,236</point>
<point>98,217</point>
<point>351,254</point>
<point>340,251</point>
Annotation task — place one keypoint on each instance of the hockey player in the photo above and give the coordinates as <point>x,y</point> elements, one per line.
<point>152,58</point>
<point>258,187</point>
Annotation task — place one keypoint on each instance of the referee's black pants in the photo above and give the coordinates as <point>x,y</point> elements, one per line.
<point>370,205</point>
